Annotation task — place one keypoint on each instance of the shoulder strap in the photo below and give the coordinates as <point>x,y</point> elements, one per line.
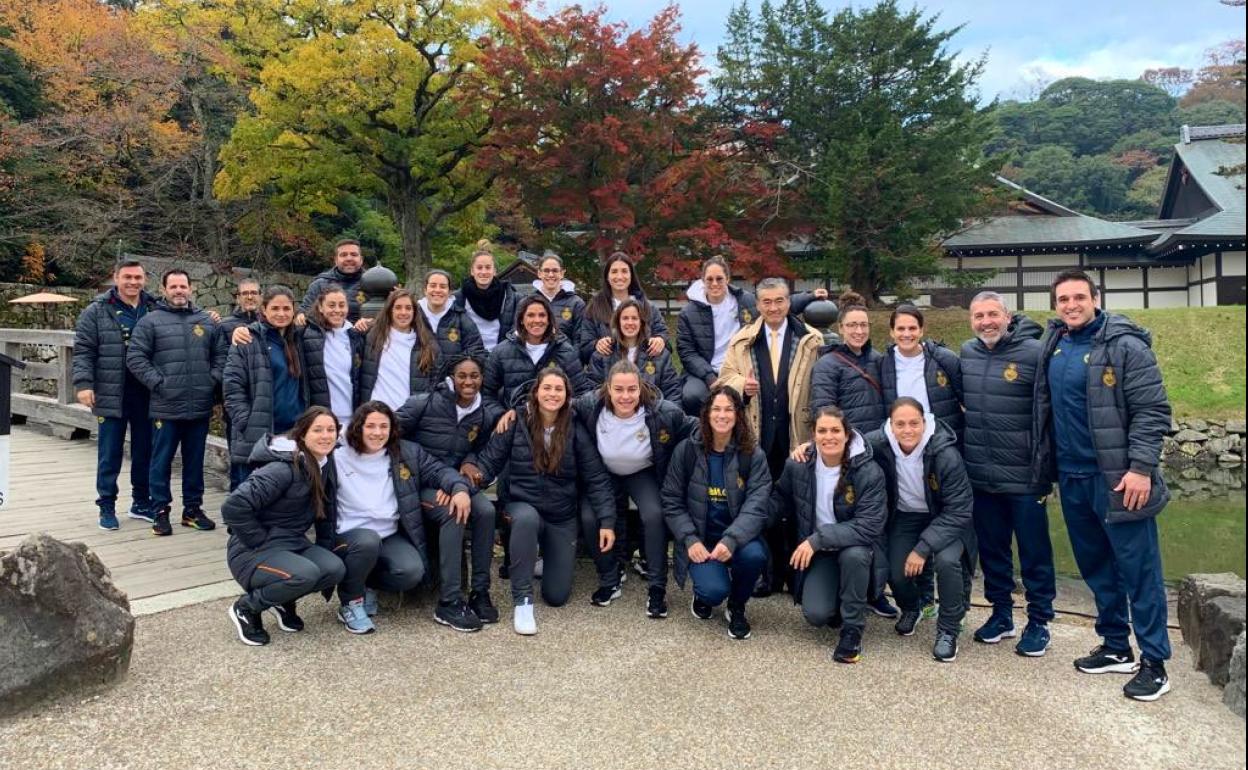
<point>850,363</point>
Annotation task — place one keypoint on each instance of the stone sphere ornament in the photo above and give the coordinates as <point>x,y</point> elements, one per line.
<point>376,283</point>
<point>822,314</point>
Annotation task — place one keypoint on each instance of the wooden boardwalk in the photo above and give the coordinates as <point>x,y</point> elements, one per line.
<point>52,490</point>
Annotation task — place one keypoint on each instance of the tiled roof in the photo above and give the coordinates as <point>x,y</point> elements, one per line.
<point>1207,155</point>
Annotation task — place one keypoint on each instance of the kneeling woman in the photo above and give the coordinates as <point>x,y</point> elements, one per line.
<point>929,499</point>
<point>378,527</point>
<point>268,516</point>
<point>715,500</point>
<point>549,457</point>
<point>837,497</point>
<point>635,432</point>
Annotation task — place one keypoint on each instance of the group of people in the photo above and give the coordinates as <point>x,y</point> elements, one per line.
<point>773,462</point>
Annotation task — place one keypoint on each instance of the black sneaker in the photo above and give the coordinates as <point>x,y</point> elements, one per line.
<point>194,518</point>
<point>849,647</point>
<point>287,619</point>
<point>1105,660</point>
<point>656,603</point>
<point>605,595</point>
<point>482,607</point>
<point>762,589</point>
<point>161,525</point>
<point>248,623</point>
<point>881,606</point>
<point>946,648</point>
<point>457,616</point>
<point>1149,683</point>
<point>908,621</point>
<point>738,626</point>
<point>700,609</point>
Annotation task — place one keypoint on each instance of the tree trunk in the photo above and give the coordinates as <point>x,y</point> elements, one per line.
<point>216,226</point>
<point>862,277</point>
<point>417,252</point>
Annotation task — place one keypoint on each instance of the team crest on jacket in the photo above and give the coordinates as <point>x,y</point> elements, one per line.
<point>472,432</point>
<point>740,483</point>
<point>1011,372</point>
<point>453,334</point>
<point>159,424</point>
<point>746,317</point>
<point>100,420</point>
<point>356,361</point>
<point>941,379</point>
<point>932,482</point>
<point>850,495</point>
<point>1108,377</point>
<point>405,473</point>
<point>566,314</point>
<point>664,436</point>
<point>650,367</point>
<point>360,297</point>
<point>197,330</point>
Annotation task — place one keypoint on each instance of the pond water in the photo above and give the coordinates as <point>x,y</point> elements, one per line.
<point>1201,530</point>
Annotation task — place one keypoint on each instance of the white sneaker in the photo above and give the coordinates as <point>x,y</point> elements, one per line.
<point>524,621</point>
<point>537,569</point>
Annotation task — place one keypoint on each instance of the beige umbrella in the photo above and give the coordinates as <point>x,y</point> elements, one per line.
<point>45,298</point>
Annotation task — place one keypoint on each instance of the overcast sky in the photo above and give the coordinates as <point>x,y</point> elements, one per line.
<point>1050,38</point>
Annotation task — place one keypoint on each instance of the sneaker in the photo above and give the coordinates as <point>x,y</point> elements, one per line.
<point>738,626</point>
<point>482,607</point>
<point>762,589</point>
<point>946,648</point>
<point>248,623</point>
<point>700,609</point>
<point>641,568</point>
<point>160,524</point>
<point>108,520</point>
<point>194,518</point>
<point>883,607</point>
<point>523,620</point>
<point>1104,660</point>
<point>849,647</point>
<point>656,603</point>
<point>457,616</point>
<point>1000,625</point>
<point>908,622</point>
<point>605,595</point>
<point>370,603</point>
<point>929,610</point>
<point>1035,641</point>
<point>353,616</point>
<point>1149,683</point>
<point>287,619</point>
<point>142,512</point>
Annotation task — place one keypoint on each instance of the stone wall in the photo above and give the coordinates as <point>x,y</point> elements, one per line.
<point>1220,441</point>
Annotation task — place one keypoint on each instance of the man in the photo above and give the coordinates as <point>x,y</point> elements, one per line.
<point>769,363</point>
<point>347,270</point>
<point>1100,415</point>
<point>111,392</point>
<point>246,311</point>
<point>176,354</point>
<point>998,377</point>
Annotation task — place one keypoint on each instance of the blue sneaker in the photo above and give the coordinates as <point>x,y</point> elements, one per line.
<point>1035,641</point>
<point>353,616</point>
<point>370,602</point>
<point>883,607</point>
<point>999,626</point>
<point>142,511</point>
<point>108,519</point>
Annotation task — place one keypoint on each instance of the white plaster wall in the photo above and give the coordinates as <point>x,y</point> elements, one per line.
<point>1167,276</point>
<point>1167,298</point>
<point>1124,279</point>
<point>1233,263</point>
<point>1124,301</point>
<point>1051,260</point>
<point>1036,300</point>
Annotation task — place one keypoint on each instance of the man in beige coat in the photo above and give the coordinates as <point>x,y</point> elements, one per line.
<point>769,362</point>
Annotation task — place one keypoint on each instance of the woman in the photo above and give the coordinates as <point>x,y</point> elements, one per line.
<point>268,517</point>
<point>629,332</point>
<point>454,329</point>
<point>929,373</point>
<point>715,500</point>
<point>531,347</point>
<point>489,302</point>
<point>847,375</point>
<point>929,500</point>
<point>716,310</point>
<point>264,383</point>
<point>453,423</point>
<point>401,354</point>
<point>568,307</point>
<point>635,432</point>
<point>378,526</point>
<point>619,282</point>
<point>551,461</point>
<point>836,495</point>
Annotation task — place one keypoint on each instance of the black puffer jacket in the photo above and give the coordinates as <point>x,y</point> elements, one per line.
<point>370,366</point>
<point>349,283</point>
<point>946,489</point>
<point>861,508</point>
<point>235,320</point>
<point>695,329</point>
<point>177,355</point>
<point>592,330</point>
<point>314,362</point>
<point>509,368</point>
<point>431,420</point>
<point>569,309</point>
<point>100,352</point>
<point>668,425</point>
<point>247,384</point>
<point>273,509</point>
<point>997,390</point>
<point>506,315</point>
<point>658,370</point>
<point>943,373</point>
<point>556,496</point>
<point>685,495</point>
<point>835,382</point>
<point>457,334</point>
<point>1128,412</point>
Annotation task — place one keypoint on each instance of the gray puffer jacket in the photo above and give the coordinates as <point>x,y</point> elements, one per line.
<point>177,355</point>
<point>695,329</point>
<point>247,384</point>
<point>349,283</point>
<point>1128,412</point>
<point>100,352</point>
<point>942,371</point>
<point>852,382</point>
<point>509,368</point>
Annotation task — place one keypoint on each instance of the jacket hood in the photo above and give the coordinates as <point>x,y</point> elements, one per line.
<point>697,292</point>
<point>108,296</point>
<point>271,448</point>
<point>1023,328</point>
<point>189,309</point>
<point>1114,326</point>
<point>337,276</point>
<point>929,430</point>
<point>565,287</point>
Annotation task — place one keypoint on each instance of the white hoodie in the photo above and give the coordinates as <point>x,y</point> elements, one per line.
<point>723,317</point>
<point>910,491</point>
<point>826,480</point>
<point>565,285</point>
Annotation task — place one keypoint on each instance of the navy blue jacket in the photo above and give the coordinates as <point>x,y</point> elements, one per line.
<point>314,362</point>
<point>509,368</point>
<point>247,384</point>
<point>349,283</point>
<point>695,332</point>
<point>431,420</point>
<point>591,330</point>
<point>942,371</point>
<point>860,396</point>
<point>667,423</point>
<point>658,370</point>
<point>179,357</point>
<point>100,343</point>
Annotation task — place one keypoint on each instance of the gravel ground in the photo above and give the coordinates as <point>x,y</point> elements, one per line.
<point>609,688</point>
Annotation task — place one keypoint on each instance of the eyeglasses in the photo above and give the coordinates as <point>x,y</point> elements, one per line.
<point>249,294</point>
<point>857,325</point>
<point>550,270</point>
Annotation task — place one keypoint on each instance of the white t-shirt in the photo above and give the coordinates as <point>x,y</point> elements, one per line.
<point>910,378</point>
<point>724,317</point>
<point>489,329</point>
<point>338,363</point>
<point>394,371</point>
<point>536,351</point>
<point>826,479</point>
<point>624,443</point>
<point>433,318</point>
<point>911,492</point>
<point>366,498</point>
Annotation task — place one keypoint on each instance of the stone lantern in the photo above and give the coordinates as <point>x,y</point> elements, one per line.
<point>376,283</point>
<point>822,314</point>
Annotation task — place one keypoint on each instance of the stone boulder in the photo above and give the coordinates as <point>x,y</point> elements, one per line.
<point>1188,435</point>
<point>1233,695</point>
<point>64,626</point>
<point>1235,426</point>
<point>1211,615</point>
